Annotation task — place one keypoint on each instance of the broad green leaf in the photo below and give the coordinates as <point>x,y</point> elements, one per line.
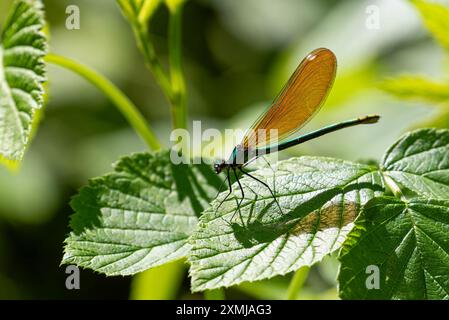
<point>139,216</point>
<point>436,20</point>
<point>407,241</point>
<point>419,163</point>
<point>417,88</point>
<point>22,73</point>
<point>319,197</point>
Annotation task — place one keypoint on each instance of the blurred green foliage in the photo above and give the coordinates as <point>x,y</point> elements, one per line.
<point>435,17</point>
<point>237,55</point>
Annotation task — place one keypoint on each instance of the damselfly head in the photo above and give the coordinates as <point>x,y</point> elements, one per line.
<point>219,166</point>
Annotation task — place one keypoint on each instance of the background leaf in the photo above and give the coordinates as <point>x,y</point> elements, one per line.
<point>22,73</point>
<point>407,241</point>
<point>320,198</point>
<point>417,88</point>
<point>139,216</point>
<point>436,19</point>
<point>419,163</point>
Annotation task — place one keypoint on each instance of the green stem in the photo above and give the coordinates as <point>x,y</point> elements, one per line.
<point>179,98</point>
<point>160,283</point>
<point>151,60</point>
<point>120,100</point>
<point>217,294</point>
<point>297,282</point>
<point>173,86</point>
<point>395,189</point>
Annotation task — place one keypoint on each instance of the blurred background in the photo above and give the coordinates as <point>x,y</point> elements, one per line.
<point>237,56</point>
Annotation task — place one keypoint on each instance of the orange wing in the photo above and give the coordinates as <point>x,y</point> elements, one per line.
<point>299,100</point>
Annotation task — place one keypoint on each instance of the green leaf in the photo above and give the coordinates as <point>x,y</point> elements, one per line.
<point>416,88</point>
<point>407,241</point>
<point>436,19</point>
<point>22,74</point>
<point>138,217</point>
<point>320,198</point>
<point>419,163</point>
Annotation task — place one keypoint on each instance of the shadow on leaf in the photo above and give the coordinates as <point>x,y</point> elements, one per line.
<point>189,182</point>
<point>329,209</point>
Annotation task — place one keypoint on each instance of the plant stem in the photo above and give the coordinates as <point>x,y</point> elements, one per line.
<point>172,85</point>
<point>120,100</point>
<point>160,283</point>
<point>216,294</point>
<point>151,60</point>
<point>395,189</point>
<point>297,282</point>
<point>179,92</point>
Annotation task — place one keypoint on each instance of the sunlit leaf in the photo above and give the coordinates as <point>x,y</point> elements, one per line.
<point>319,197</point>
<point>436,19</point>
<point>139,216</point>
<point>417,88</point>
<point>22,73</point>
<point>419,163</point>
<point>404,244</point>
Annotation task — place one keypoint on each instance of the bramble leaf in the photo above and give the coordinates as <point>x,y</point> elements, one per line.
<point>22,74</point>
<point>319,197</point>
<point>419,163</point>
<point>404,244</point>
<point>138,217</point>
